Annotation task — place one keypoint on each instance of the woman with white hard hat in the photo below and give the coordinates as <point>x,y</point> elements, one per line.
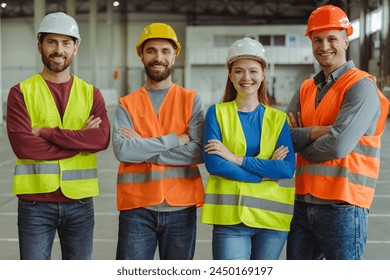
<point>247,149</point>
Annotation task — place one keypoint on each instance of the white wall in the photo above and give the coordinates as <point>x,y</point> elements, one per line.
<point>19,51</point>
<point>209,81</point>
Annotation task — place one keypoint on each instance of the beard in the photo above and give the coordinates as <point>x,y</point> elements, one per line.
<point>157,76</point>
<point>53,66</point>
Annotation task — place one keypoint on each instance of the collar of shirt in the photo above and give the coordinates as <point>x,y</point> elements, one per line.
<point>319,79</point>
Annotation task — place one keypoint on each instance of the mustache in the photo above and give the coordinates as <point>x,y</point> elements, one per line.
<point>156,64</point>
<point>57,55</point>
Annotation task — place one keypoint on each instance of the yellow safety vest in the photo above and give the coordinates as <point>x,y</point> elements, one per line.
<point>77,176</point>
<point>260,205</point>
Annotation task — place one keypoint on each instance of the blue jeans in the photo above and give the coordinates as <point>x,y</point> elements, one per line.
<point>140,230</point>
<point>38,223</point>
<point>331,231</point>
<point>239,242</point>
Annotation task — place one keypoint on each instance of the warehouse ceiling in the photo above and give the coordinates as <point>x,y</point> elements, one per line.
<point>199,12</point>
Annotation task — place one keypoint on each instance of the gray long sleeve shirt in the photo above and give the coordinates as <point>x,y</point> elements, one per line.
<point>165,149</point>
<point>358,116</point>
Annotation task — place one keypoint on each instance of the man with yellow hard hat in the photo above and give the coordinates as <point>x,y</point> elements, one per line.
<point>157,138</point>
<point>337,120</point>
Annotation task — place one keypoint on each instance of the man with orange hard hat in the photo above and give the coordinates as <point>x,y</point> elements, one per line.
<point>337,119</point>
<point>157,137</point>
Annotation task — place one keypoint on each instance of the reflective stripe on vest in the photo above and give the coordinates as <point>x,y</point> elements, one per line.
<point>260,205</point>
<point>25,169</point>
<point>248,201</point>
<point>353,178</point>
<point>77,176</point>
<point>67,175</point>
<point>146,184</point>
<point>154,175</point>
<point>337,171</point>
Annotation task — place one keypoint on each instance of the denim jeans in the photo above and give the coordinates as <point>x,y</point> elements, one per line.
<point>38,223</point>
<point>331,231</point>
<point>141,230</point>
<point>239,242</point>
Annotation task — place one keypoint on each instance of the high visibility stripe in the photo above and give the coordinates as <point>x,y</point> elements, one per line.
<point>248,201</point>
<point>221,199</point>
<point>124,178</point>
<point>25,169</point>
<point>286,183</point>
<point>181,172</point>
<point>169,173</point>
<point>337,171</point>
<point>80,174</point>
<point>367,151</point>
<point>269,205</point>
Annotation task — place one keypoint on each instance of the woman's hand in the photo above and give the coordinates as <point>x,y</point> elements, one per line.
<point>280,153</point>
<point>215,147</point>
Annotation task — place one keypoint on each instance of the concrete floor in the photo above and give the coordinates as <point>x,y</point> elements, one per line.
<point>378,244</point>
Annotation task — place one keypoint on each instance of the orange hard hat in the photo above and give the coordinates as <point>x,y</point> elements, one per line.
<point>328,17</point>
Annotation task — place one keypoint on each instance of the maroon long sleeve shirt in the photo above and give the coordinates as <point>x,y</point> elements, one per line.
<point>53,143</point>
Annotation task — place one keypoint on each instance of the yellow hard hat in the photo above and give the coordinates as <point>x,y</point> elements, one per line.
<point>158,31</point>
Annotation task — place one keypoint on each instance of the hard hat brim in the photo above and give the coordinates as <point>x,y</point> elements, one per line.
<point>261,60</point>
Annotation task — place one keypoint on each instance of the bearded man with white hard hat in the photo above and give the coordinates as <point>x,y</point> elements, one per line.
<point>56,123</point>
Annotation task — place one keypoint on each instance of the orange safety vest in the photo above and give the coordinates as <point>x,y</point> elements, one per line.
<point>146,184</point>
<point>353,178</point>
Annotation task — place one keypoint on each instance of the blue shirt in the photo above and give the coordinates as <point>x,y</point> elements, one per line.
<point>253,169</point>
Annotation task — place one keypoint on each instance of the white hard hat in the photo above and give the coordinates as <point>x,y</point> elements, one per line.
<point>59,23</point>
<point>246,48</point>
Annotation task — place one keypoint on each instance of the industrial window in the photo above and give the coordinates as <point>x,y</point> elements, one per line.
<point>226,40</point>
<point>265,40</point>
<point>279,40</point>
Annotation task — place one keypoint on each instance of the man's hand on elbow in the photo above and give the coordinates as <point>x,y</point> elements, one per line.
<point>128,133</point>
<point>184,139</point>
<point>318,131</point>
<point>295,122</point>
<point>92,122</point>
<point>36,131</point>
